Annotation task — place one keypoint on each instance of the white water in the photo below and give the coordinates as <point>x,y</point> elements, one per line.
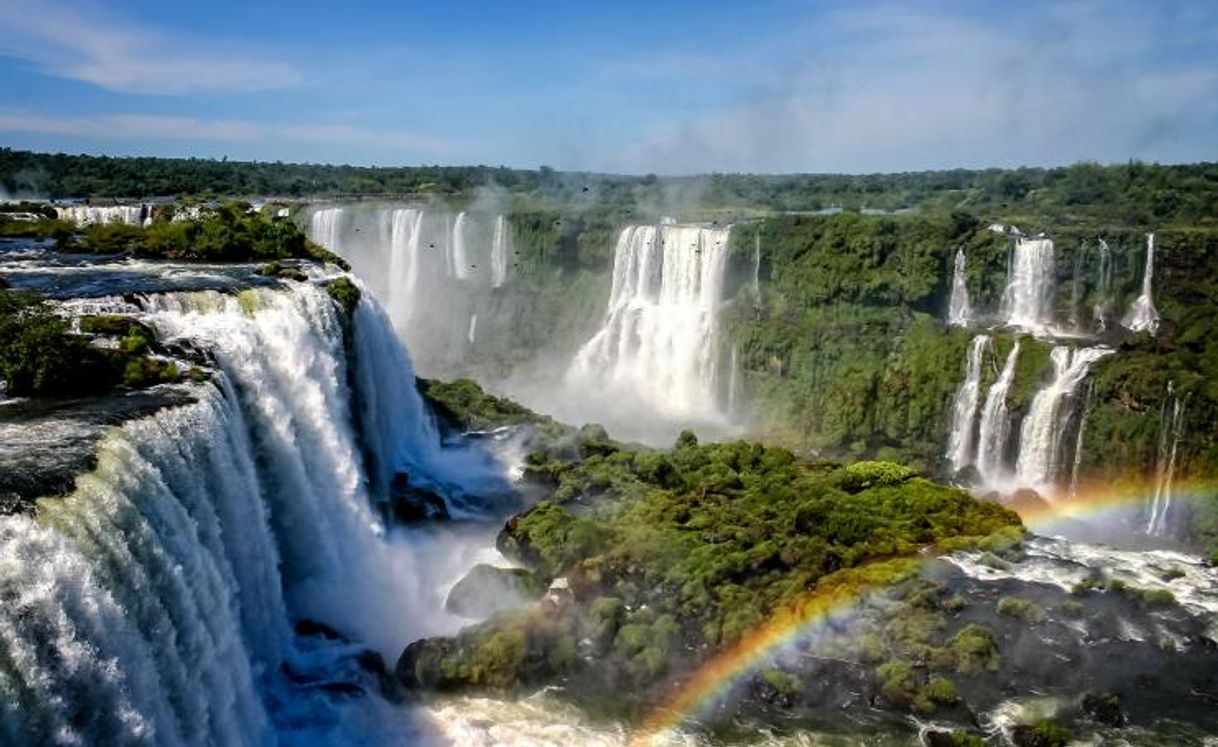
<point>659,342</point>
<point>431,271</point>
<point>757,267</point>
<point>1078,441</point>
<point>1171,429</point>
<point>995,425</point>
<point>733,382</point>
<point>964,410</point>
<point>90,215</point>
<point>473,328</point>
<point>1143,317</point>
<point>1040,446</point>
<point>153,605</point>
<point>1103,287</point>
<point>1028,299</point>
<point>960,311</point>
<point>500,247</point>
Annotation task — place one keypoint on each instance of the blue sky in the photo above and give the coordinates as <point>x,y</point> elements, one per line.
<point>627,86</point>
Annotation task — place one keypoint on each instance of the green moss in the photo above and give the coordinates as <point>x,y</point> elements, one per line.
<point>345,293</point>
<point>783,683</point>
<point>974,650</point>
<point>1024,609</point>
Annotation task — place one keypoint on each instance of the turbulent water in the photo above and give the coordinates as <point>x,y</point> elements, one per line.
<point>1046,423</point>
<point>959,311</point>
<point>154,605</point>
<point>1171,430</point>
<point>995,425</point>
<point>659,344</point>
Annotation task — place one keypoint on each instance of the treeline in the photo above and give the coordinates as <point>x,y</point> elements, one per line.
<point>1134,194</point>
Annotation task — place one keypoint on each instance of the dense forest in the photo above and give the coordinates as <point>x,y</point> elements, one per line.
<point>1134,193</point>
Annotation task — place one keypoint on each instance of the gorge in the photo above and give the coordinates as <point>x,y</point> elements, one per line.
<point>268,548</point>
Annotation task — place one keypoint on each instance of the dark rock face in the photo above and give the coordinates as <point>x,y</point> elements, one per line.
<point>487,590</point>
<point>411,504</point>
<point>1105,708</point>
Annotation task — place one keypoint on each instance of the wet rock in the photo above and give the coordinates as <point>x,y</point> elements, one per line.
<point>309,628</point>
<point>412,504</point>
<point>486,591</point>
<point>1105,708</point>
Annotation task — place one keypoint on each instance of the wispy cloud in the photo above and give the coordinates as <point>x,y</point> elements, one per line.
<point>137,127</point>
<point>900,89</point>
<point>81,44</point>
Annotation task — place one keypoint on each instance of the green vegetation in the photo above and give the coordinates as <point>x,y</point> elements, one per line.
<point>1026,610</point>
<point>41,357</point>
<point>669,555</point>
<point>345,294</point>
<point>228,233</point>
<point>1138,193</point>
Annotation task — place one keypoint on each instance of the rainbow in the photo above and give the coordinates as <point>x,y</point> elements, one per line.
<point>826,608</point>
<point>830,604</point>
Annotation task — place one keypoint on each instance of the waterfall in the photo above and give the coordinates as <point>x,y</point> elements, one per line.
<point>1078,440</point>
<point>500,245</point>
<point>1143,317</point>
<point>733,382</point>
<point>1103,287</point>
<point>153,604</point>
<point>92,215</point>
<point>658,341</point>
<point>431,270</point>
<point>1171,430</point>
<point>473,328</point>
<point>1076,287</point>
<point>959,311</point>
<point>995,425</point>
<point>1040,438</point>
<point>405,265</point>
<point>1028,300</point>
<point>964,409</point>
<point>324,228</point>
<point>459,266</point>
<point>757,267</point>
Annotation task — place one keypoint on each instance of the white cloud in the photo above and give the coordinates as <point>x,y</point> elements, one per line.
<point>84,45</point>
<point>907,90</point>
<point>137,127</point>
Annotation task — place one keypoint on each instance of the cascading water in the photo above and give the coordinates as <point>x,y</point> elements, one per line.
<point>500,246</point>
<point>733,382</point>
<point>1103,287</point>
<point>1027,301</point>
<point>960,311</point>
<point>658,344</point>
<point>964,410</point>
<point>995,425</point>
<point>91,215</point>
<point>1040,444</point>
<point>1078,440</point>
<point>432,271</point>
<point>757,267</point>
<point>1143,316</point>
<point>153,605</point>
<point>1171,430</point>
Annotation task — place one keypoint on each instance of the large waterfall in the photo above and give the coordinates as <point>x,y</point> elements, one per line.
<point>1028,300</point>
<point>659,341</point>
<point>995,425</point>
<point>959,311</point>
<point>154,604</point>
<point>1040,439</point>
<point>964,408</point>
<point>1143,317</point>
<point>431,270</point>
